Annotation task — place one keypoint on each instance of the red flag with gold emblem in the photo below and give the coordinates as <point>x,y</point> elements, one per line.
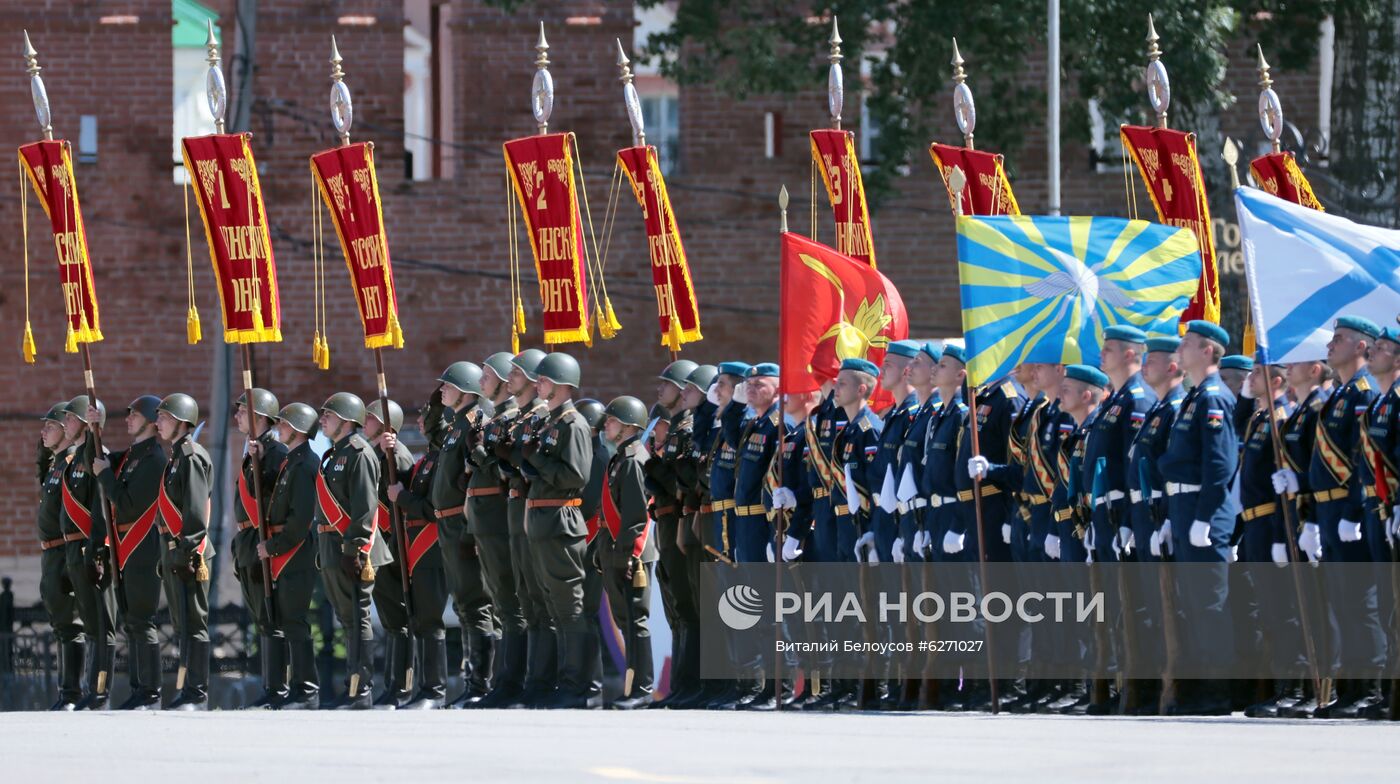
<point>676,308</point>
<point>348,184</point>
<point>49,167</point>
<point>833,307</point>
<point>1278,174</point>
<point>1167,161</point>
<point>988,191</point>
<point>541,171</point>
<point>226,187</point>
<point>834,153</point>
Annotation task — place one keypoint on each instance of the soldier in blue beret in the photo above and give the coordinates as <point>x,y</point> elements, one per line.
<point>1111,436</point>
<point>912,492</point>
<point>1234,369</point>
<point>894,423</point>
<point>1200,461</point>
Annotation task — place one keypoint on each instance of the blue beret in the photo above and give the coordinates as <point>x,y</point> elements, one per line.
<point>955,352</point>
<point>1167,345</point>
<point>1390,333</point>
<point>1237,362</point>
<point>904,348</point>
<point>860,365</point>
<point>762,369</point>
<point>739,369</point>
<point>1365,326</point>
<point>1088,374</point>
<point>933,352</point>
<point>1126,333</point>
<point>1209,331</point>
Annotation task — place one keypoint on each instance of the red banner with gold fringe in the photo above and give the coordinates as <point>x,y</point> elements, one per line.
<point>1279,175</point>
<point>542,174</point>
<point>348,185</point>
<point>226,187</point>
<point>835,155</point>
<point>676,308</point>
<point>988,191</point>
<point>1168,163</point>
<point>49,167</point>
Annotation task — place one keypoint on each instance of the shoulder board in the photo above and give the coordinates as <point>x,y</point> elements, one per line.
<point>568,416</point>
<point>358,441</point>
<point>1212,388</point>
<point>187,447</point>
<point>1317,403</point>
<point>1009,389</point>
<point>1136,392</point>
<point>1175,403</point>
<point>865,423</point>
<point>774,417</point>
<point>962,406</point>
<point>1363,384</point>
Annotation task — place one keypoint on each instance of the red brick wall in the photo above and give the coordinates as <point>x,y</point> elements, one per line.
<point>447,238</point>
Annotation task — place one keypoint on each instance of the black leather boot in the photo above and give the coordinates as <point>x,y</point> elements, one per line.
<point>70,676</point>
<point>145,694</point>
<point>304,692</point>
<point>575,690</point>
<point>397,668</point>
<point>510,671</point>
<point>273,653</point>
<point>433,693</point>
<point>195,695</point>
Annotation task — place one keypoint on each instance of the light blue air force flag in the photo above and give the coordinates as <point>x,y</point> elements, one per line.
<point>1305,268</point>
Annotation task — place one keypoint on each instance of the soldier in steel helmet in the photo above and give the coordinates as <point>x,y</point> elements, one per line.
<point>183,507</point>
<point>389,601</point>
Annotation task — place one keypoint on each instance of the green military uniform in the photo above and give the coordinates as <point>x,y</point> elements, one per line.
<point>461,557</point>
<point>559,455</point>
<point>488,516</point>
<point>184,527</point>
<point>132,487</point>
<point>428,582</point>
<point>85,531</point>
<point>55,587</point>
<point>542,643</point>
<point>290,513</point>
<point>248,567</point>
<point>626,552</point>
<point>349,551</point>
<point>388,589</point>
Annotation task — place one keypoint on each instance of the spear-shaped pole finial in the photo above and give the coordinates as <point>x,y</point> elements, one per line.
<point>835,78</point>
<point>1270,107</point>
<point>542,91</point>
<point>1159,90</point>
<point>783,207</point>
<point>964,107</point>
<point>630,99</point>
<point>1231,156</point>
<point>37,91</point>
<point>215,91</point>
<point>341,105</point>
<point>957,182</point>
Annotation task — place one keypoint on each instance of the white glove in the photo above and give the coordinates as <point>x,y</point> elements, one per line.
<point>1125,538</point>
<point>887,499</point>
<point>791,549</point>
<point>953,543</point>
<point>852,492</point>
<point>1393,530</point>
<point>770,552</point>
<point>1089,538</point>
<point>1234,554</point>
<point>1167,535</point>
<point>1285,481</point>
<point>899,550</point>
<point>1006,533</point>
<point>741,393</point>
<point>1088,556</point>
<point>978,466</point>
<point>920,542</point>
<point>1200,534</point>
<point>866,540</point>
<point>1154,544</point>
<point>1279,553</point>
<point>712,394</point>
<point>1052,546</point>
<point>1310,541</point>
<point>908,488</point>
<point>1348,531</point>
<point>784,498</point>
<point>871,556</point>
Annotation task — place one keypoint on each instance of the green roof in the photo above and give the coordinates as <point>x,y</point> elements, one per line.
<point>191,27</point>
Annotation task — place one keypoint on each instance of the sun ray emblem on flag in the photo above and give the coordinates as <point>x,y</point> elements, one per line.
<point>1042,289</point>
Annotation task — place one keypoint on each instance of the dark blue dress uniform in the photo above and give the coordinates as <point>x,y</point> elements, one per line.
<point>757,443</point>
<point>1146,487</point>
<point>1380,470</point>
<point>914,511</point>
<point>1299,436</point>
<point>1260,503</point>
<point>885,522</point>
<point>1113,433</point>
<point>940,457</point>
<point>1070,501</point>
<point>856,446</point>
<point>799,522</point>
<point>823,474</point>
<point>1038,485</point>
<point>1023,432</point>
<point>724,459</point>
<point>1200,461</point>
<point>998,403</point>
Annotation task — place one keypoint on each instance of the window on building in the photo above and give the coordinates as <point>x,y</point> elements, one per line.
<point>1106,147</point>
<point>661,108</point>
<point>427,90</point>
<point>662,114</point>
<point>191,111</point>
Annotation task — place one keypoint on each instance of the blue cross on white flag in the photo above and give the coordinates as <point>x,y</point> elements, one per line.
<point>1305,268</point>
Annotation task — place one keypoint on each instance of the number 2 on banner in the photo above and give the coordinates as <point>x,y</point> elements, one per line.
<point>539,186</point>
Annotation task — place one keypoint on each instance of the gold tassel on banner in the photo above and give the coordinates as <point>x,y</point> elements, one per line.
<point>395,331</point>
<point>674,336</point>
<point>514,342</point>
<point>193,332</point>
<point>325,354</point>
<point>613,324</point>
<point>605,322</point>
<point>27,345</point>
<point>520,316</point>
<point>316,349</point>
<point>70,344</point>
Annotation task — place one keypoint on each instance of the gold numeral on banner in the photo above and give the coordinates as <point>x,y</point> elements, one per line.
<point>539,185</point>
<point>374,306</point>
